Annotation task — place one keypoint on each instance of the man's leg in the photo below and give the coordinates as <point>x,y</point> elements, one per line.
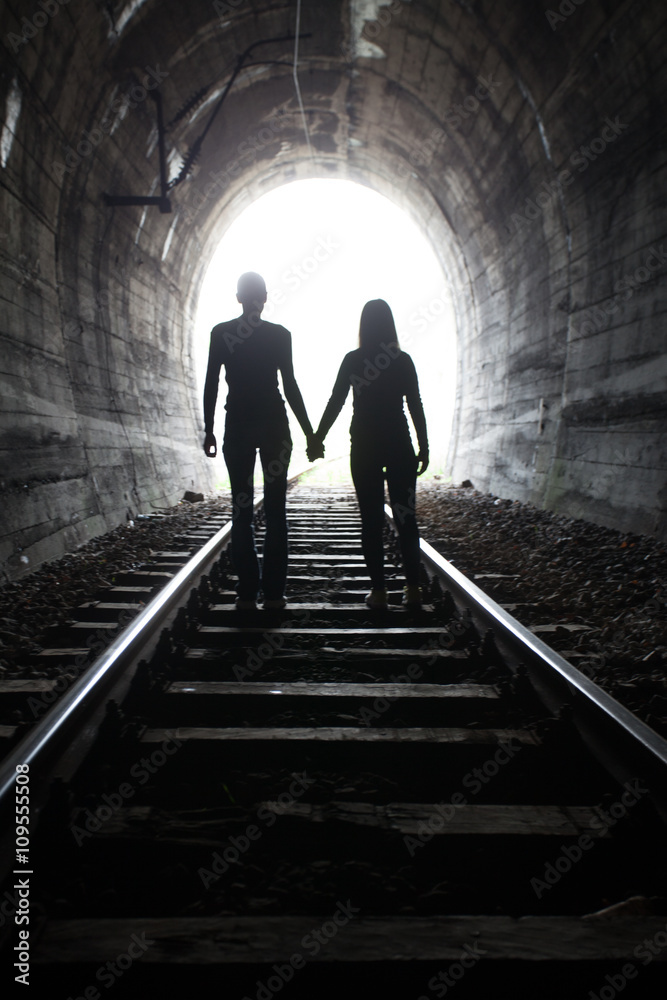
<point>239,452</point>
<point>275,452</point>
<point>368,479</point>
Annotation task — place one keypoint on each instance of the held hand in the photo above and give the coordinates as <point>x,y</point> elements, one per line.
<point>422,460</point>
<point>314,448</point>
<point>210,446</point>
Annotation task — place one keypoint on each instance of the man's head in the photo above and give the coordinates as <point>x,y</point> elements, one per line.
<point>251,291</point>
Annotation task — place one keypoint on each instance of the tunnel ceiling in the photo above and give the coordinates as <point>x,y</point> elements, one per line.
<point>527,141</point>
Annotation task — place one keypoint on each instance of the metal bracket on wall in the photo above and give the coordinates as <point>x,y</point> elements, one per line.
<point>162,201</point>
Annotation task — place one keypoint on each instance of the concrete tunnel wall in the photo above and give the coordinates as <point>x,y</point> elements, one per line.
<point>527,140</point>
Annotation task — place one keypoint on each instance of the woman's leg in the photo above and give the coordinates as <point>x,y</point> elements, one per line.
<point>368,479</point>
<point>402,485</point>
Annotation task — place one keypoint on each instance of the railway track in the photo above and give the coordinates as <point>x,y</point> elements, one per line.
<point>408,803</point>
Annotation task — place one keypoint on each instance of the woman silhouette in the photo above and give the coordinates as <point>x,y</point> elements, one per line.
<point>381,376</point>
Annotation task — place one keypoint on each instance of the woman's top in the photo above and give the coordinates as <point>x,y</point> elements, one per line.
<point>380,383</point>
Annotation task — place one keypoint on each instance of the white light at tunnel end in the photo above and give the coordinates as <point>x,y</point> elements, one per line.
<point>325,247</point>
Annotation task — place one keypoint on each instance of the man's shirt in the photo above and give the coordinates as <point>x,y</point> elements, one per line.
<point>252,354</point>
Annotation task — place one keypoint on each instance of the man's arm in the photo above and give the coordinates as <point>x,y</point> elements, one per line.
<point>291,389</point>
<point>211,396</point>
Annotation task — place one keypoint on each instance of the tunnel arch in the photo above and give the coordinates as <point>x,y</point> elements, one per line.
<point>508,131</point>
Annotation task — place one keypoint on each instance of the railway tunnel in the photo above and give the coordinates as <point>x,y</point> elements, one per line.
<point>526,139</point>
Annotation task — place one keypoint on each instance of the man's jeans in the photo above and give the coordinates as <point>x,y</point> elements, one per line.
<point>242,439</point>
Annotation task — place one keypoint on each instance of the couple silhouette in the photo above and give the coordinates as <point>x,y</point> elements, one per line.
<point>380,375</point>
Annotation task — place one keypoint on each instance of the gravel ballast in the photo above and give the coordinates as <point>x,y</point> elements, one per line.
<point>597,596</point>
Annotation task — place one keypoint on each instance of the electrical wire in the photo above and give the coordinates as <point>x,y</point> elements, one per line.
<point>295,74</point>
<point>195,148</point>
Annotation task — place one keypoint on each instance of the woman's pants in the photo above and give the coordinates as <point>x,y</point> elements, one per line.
<point>367,465</point>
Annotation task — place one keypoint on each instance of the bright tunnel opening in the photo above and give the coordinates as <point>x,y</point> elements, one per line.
<point>324,248</point>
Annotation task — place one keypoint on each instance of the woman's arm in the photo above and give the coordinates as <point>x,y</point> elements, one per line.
<point>336,400</point>
<point>416,409</point>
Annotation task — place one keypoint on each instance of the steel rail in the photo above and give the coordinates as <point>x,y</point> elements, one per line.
<point>557,680</point>
<point>87,691</point>
<point>75,703</point>
<point>612,730</point>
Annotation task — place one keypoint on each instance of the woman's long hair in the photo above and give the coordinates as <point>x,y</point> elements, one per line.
<point>377,326</point>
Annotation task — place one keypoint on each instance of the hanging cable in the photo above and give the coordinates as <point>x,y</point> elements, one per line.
<point>296,77</point>
<point>195,148</point>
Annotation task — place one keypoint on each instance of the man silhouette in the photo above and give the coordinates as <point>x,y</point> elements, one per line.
<point>253,351</point>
